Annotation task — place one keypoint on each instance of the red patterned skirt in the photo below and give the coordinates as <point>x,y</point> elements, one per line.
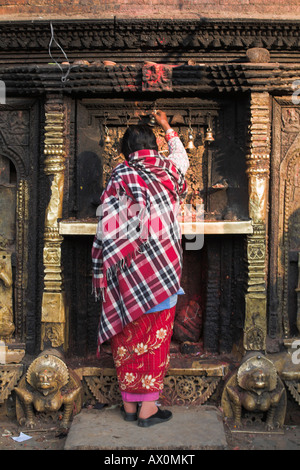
<point>141,352</point>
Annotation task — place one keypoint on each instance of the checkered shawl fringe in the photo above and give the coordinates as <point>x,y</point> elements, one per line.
<point>136,253</point>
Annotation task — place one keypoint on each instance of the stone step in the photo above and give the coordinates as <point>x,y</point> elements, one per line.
<point>191,428</point>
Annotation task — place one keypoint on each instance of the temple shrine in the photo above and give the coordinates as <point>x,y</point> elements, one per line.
<point>230,88</point>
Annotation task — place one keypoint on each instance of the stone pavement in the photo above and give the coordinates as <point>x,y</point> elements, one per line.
<point>191,431</point>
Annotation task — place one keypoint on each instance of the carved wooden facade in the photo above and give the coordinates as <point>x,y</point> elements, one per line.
<point>52,131</point>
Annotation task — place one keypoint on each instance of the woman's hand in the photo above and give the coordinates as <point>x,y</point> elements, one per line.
<point>161,119</point>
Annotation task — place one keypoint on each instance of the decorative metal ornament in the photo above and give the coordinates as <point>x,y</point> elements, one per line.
<point>182,389</point>
<point>48,386</point>
<point>53,318</point>
<point>256,388</point>
<point>107,139</point>
<point>7,326</point>
<point>190,145</point>
<point>209,135</point>
<point>152,121</point>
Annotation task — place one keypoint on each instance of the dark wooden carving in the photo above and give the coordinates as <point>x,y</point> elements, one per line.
<point>225,288</point>
<point>285,218</point>
<point>18,207</point>
<point>30,80</point>
<point>157,77</point>
<point>141,40</point>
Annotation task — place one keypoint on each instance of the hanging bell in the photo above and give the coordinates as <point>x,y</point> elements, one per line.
<point>107,136</point>
<point>190,145</point>
<point>152,121</point>
<point>209,135</point>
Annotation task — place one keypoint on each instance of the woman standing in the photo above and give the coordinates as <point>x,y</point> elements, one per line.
<point>137,264</point>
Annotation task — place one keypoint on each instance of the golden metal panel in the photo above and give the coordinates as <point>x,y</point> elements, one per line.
<point>187,228</point>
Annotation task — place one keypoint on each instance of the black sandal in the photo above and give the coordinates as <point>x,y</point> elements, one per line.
<point>128,416</point>
<point>159,417</point>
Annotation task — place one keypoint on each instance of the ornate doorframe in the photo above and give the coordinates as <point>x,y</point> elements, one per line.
<point>284,242</point>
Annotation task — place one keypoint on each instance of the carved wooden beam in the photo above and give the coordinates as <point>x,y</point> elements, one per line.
<point>137,39</point>
<point>34,80</point>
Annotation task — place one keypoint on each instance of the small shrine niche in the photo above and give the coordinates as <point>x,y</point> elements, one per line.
<point>214,135</point>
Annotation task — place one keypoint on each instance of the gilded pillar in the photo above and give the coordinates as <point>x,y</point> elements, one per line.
<point>298,294</point>
<point>7,326</point>
<point>53,321</point>
<point>258,168</point>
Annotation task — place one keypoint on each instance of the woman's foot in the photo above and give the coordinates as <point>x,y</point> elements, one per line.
<point>130,407</point>
<point>148,408</point>
<point>129,411</point>
<point>160,416</point>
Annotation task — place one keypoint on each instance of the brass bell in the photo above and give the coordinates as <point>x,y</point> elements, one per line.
<point>107,137</point>
<point>190,145</point>
<point>209,135</point>
<point>152,121</point>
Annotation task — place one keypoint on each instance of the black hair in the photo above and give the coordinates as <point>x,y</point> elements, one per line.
<point>138,137</point>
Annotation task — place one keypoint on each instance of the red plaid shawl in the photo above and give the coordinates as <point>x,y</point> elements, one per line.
<point>136,254</point>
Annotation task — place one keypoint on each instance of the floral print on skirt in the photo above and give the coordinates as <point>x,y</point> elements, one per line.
<point>141,352</point>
